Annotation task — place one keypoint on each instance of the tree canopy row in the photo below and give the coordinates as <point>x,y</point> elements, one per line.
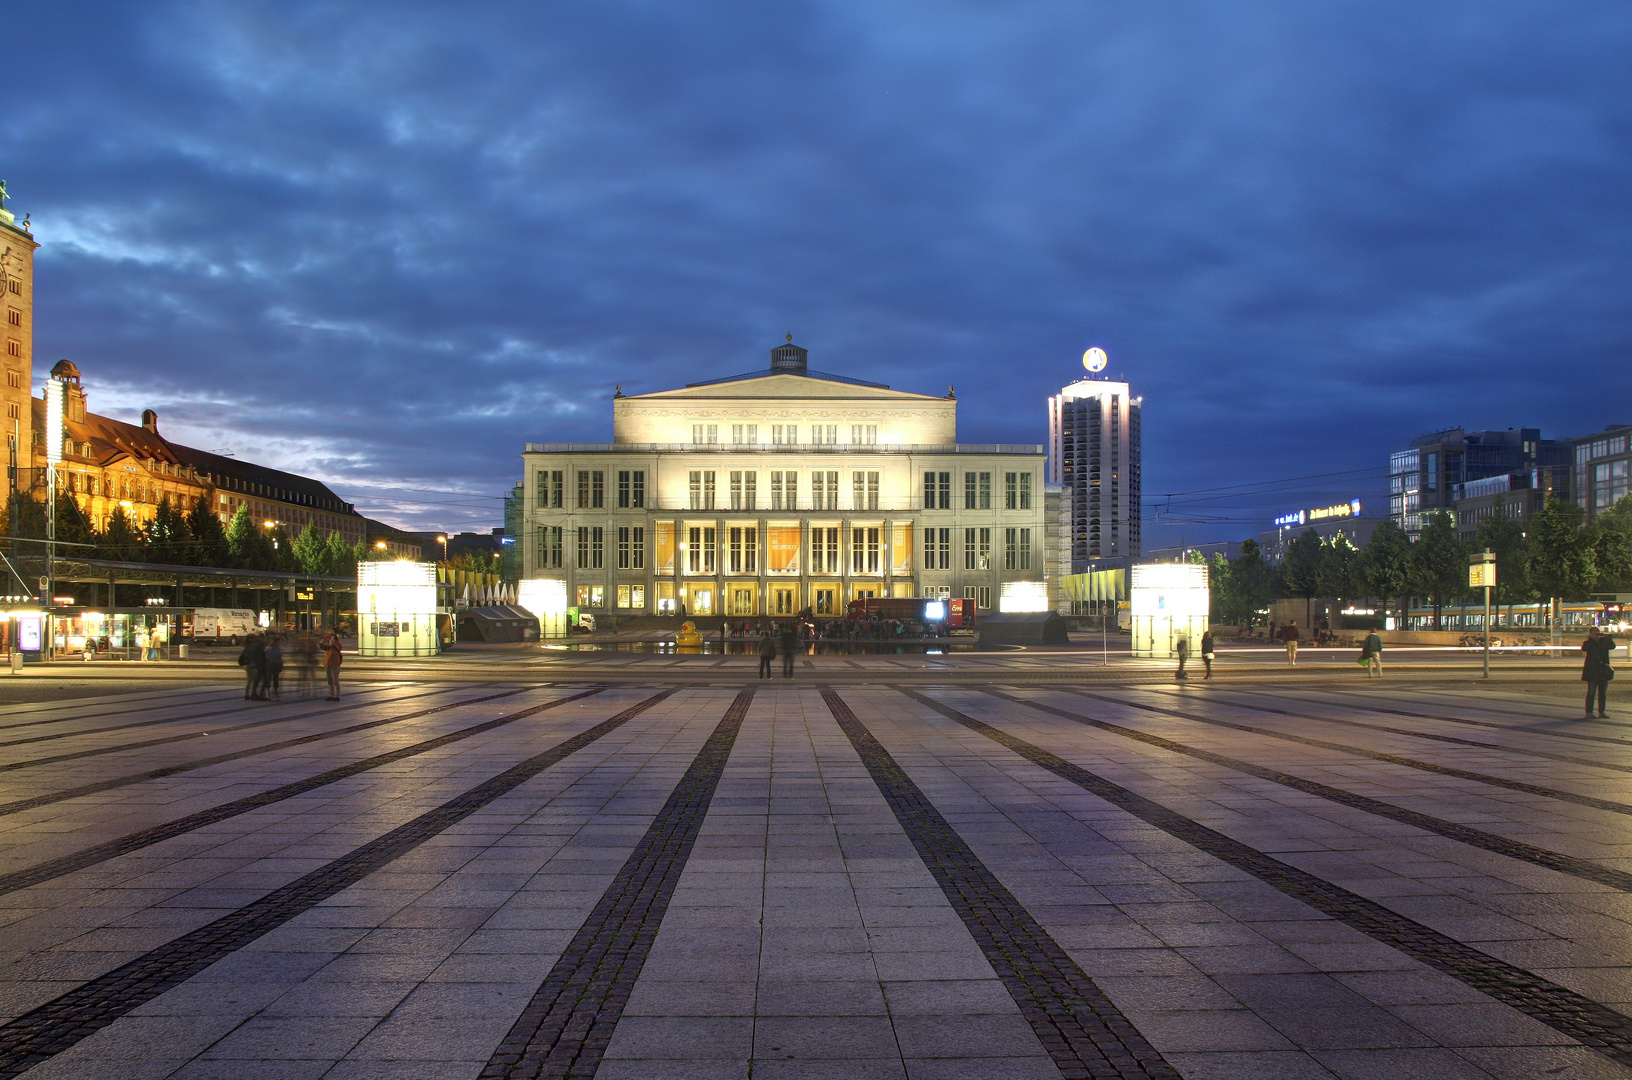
<point>1552,556</point>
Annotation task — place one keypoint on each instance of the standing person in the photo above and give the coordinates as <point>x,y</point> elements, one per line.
<point>789,645</point>
<point>767,649</point>
<point>1372,653</point>
<point>331,664</point>
<point>1183,649</point>
<point>1207,651</point>
<point>1595,669</point>
<point>253,661</point>
<point>1290,636</point>
<point>274,668</point>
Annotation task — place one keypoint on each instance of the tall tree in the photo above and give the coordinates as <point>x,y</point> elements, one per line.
<point>1300,569</point>
<point>209,539</point>
<point>309,550</point>
<point>1384,566</point>
<point>1506,538</point>
<point>1612,547</point>
<point>340,558</point>
<point>1560,551</point>
<point>247,544</point>
<point>167,535</point>
<point>1337,564</point>
<point>119,539</point>
<point>1439,563</point>
<point>73,526</point>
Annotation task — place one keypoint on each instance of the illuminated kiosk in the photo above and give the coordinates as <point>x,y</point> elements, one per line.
<point>545,598</point>
<point>396,609</point>
<point>1168,601</point>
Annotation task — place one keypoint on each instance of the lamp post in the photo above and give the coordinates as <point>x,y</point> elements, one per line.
<point>55,399</point>
<point>1482,574</point>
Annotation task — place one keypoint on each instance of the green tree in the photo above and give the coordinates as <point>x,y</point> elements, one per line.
<point>309,550</point>
<point>1612,547</point>
<point>1384,566</point>
<point>168,538</point>
<point>209,539</point>
<point>339,557</point>
<point>247,543</point>
<point>73,526</point>
<point>1248,585</point>
<point>1560,552</point>
<point>282,553</point>
<point>1439,563</point>
<point>1336,575</point>
<point>1300,569</point>
<point>119,539</point>
<point>1506,538</point>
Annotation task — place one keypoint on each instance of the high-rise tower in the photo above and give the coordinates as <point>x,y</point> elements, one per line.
<point>17,299</point>
<point>1093,451</point>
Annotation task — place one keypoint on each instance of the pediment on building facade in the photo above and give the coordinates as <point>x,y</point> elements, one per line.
<point>783,386</point>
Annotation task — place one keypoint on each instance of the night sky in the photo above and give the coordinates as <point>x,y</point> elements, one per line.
<point>385,245</point>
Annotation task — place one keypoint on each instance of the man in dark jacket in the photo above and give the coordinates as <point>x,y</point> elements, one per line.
<point>789,644</point>
<point>767,649</point>
<point>1290,636</point>
<point>253,661</point>
<point>1595,669</point>
<point>1372,654</point>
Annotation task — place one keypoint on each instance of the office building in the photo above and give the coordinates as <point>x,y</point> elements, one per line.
<point>777,491</point>
<point>1093,451</point>
<point>1424,477</point>
<point>1514,496</point>
<point>1603,463</point>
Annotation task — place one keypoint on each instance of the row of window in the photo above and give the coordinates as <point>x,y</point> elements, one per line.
<point>783,489</point>
<point>977,491</point>
<point>741,552</point>
<point>783,600</point>
<point>784,434</point>
<point>1598,448</point>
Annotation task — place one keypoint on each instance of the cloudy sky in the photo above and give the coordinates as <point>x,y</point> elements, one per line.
<point>387,244</point>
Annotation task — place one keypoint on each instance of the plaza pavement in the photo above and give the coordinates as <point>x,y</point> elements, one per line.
<point>854,874</point>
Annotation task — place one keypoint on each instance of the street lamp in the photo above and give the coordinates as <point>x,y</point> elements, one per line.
<point>443,540</point>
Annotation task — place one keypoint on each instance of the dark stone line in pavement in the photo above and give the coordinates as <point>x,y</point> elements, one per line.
<point>568,1023</point>
<point>1580,736</point>
<point>98,751</point>
<point>1594,1025</point>
<point>188,766</point>
<point>1358,751</point>
<point>1584,869</point>
<point>142,702</point>
<point>59,1024</point>
<point>1083,1031</point>
<point>124,845</point>
<point>1430,736</point>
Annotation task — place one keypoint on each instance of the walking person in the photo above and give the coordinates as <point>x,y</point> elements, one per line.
<point>253,660</point>
<point>1371,654</point>
<point>274,668</point>
<point>1290,636</point>
<point>1207,651</point>
<point>789,644</point>
<point>1595,669</point>
<point>1183,649</point>
<point>767,649</point>
<point>331,664</point>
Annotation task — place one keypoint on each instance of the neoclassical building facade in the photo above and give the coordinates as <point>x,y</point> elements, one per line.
<point>780,490</point>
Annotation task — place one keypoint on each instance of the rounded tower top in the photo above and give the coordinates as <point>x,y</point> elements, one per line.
<point>65,369</point>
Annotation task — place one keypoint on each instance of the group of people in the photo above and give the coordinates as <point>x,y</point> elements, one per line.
<point>263,662</point>
<point>786,641</point>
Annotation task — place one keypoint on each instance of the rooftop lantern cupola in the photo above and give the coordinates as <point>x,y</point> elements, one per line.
<point>789,358</point>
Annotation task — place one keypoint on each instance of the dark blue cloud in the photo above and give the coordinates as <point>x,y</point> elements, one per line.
<point>389,245</point>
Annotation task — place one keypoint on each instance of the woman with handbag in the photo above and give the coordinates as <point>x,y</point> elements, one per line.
<point>1207,652</point>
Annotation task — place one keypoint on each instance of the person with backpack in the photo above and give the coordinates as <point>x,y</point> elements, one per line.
<point>1371,655</point>
<point>1183,649</point>
<point>1207,652</point>
<point>767,649</point>
<point>1290,635</point>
